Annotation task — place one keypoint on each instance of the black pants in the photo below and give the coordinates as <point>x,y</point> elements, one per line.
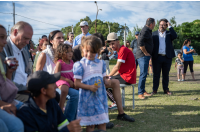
<point>190,63</point>
<point>110,93</point>
<point>161,63</point>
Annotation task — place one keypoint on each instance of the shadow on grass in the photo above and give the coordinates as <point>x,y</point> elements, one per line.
<point>159,118</point>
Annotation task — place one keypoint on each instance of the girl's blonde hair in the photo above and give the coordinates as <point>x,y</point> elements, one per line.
<point>60,50</point>
<point>94,42</point>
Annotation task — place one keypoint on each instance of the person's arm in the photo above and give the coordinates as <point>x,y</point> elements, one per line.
<point>172,32</point>
<point>9,71</point>
<point>132,45</point>
<point>10,108</point>
<point>58,69</point>
<point>188,52</point>
<point>115,69</point>
<point>181,59</point>
<point>144,51</point>
<point>102,49</point>
<point>78,84</point>
<point>41,62</point>
<point>175,65</point>
<point>111,52</point>
<point>63,123</point>
<point>141,42</point>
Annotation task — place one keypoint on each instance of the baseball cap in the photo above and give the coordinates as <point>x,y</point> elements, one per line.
<point>83,23</point>
<point>40,79</point>
<point>137,32</point>
<point>112,37</point>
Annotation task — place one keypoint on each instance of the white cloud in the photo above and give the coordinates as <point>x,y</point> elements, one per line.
<point>67,13</point>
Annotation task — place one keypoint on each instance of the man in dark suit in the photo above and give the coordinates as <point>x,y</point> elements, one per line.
<point>21,34</point>
<point>162,55</point>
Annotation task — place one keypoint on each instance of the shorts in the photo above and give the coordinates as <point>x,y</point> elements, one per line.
<point>121,80</point>
<point>180,68</point>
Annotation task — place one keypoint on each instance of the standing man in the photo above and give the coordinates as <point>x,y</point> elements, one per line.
<point>84,28</point>
<point>134,46</point>
<point>21,34</point>
<point>143,54</point>
<point>163,52</point>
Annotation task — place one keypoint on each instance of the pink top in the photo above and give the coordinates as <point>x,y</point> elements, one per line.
<point>67,72</point>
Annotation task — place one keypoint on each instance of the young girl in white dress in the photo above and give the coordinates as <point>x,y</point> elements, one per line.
<point>90,76</point>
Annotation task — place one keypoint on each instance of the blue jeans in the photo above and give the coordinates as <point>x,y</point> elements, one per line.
<point>72,104</point>
<point>12,123</point>
<point>3,127</point>
<point>143,64</point>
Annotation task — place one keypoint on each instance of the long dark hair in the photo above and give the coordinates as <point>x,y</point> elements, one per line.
<point>52,35</point>
<point>185,43</point>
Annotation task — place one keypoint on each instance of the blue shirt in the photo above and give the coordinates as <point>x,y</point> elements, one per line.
<point>187,57</point>
<point>77,40</point>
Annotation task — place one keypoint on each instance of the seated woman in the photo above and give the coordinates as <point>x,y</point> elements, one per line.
<point>46,63</point>
<point>8,91</point>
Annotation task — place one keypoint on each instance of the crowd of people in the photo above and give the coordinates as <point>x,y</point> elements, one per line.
<point>35,82</point>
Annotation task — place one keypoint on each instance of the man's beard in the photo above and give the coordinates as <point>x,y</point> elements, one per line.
<point>162,29</point>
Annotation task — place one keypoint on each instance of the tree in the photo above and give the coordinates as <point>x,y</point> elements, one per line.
<point>131,34</point>
<point>66,30</point>
<point>102,27</point>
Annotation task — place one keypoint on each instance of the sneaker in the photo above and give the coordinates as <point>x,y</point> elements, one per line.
<point>112,106</point>
<point>182,80</point>
<point>125,117</point>
<point>109,125</point>
<point>179,79</point>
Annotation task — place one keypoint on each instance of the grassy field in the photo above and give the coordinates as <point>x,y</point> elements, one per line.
<point>162,113</point>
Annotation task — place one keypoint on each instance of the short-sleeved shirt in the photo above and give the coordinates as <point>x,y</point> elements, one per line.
<point>128,68</point>
<point>35,120</point>
<point>187,57</point>
<point>178,61</point>
<point>134,46</point>
<point>77,40</point>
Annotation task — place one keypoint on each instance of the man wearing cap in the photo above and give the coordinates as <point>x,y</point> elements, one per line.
<point>143,54</point>
<point>41,112</point>
<point>134,46</point>
<point>84,28</point>
<point>124,72</point>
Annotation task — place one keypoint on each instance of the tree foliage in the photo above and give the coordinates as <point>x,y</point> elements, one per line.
<point>185,30</point>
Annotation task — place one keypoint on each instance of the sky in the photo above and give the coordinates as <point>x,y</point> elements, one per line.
<point>46,16</point>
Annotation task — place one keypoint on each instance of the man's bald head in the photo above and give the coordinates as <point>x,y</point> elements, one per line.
<point>21,34</point>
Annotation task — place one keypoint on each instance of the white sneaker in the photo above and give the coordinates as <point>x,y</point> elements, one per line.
<point>182,80</point>
<point>179,80</point>
<point>113,106</point>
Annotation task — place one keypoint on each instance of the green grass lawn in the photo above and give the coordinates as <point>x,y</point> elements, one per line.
<point>162,113</point>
